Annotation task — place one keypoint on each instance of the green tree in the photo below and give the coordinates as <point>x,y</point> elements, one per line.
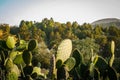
<point>85,46</point>
<point>24,31</point>
<point>5,29</point>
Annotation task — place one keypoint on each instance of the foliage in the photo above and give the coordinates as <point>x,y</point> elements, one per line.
<point>54,50</point>
<point>85,46</point>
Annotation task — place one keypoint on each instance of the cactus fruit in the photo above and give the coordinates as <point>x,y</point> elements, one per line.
<point>32,44</point>
<point>70,63</point>
<point>27,57</point>
<point>10,42</point>
<point>78,57</point>
<point>64,50</point>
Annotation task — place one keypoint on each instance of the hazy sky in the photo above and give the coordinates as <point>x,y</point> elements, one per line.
<point>13,11</point>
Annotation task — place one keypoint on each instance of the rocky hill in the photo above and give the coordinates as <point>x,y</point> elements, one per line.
<point>107,22</point>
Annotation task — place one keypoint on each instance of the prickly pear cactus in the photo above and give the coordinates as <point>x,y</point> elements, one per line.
<point>96,74</point>
<point>101,64</point>
<point>8,64</point>
<point>62,73</point>
<point>112,73</point>
<point>15,70</point>
<point>11,76</point>
<point>112,51</point>
<point>28,70</point>
<point>112,47</point>
<point>91,69</point>
<point>13,55</point>
<point>32,44</point>
<point>37,70</point>
<point>27,57</point>
<point>70,63</point>
<point>64,50</point>
<point>18,59</point>
<point>52,70</point>
<point>78,57</point>
<point>10,42</point>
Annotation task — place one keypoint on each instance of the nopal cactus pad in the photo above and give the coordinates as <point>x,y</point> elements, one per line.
<point>64,50</point>
<point>32,45</point>
<point>10,42</point>
<point>70,63</point>
<point>27,57</point>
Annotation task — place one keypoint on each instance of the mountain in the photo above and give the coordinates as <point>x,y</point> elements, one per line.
<point>107,22</point>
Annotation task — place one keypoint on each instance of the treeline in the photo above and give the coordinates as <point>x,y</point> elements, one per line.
<point>52,33</point>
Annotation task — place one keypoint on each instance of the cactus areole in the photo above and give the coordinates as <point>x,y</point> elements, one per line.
<point>64,50</point>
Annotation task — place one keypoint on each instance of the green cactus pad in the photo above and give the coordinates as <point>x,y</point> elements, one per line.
<point>112,73</point>
<point>10,42</point>
<point>58,64</point>
<point>32,45</point>
<point>64,50</point>
<point>8,64</point>
<point>91,69</point>
<point>28,77</point>
<point>96,74</point>
<point>37,70</point>
<point>102,65</point>
<point>112,47</point>
<point>13,55</point>
<point>15,70</point>
<point>70,63</point>
<point>27,57</point>
<point>62,73</point>
<point>18,59</point>
<point>83,70</point>
<point>11,76</point>
<point>34,75</point>
<point>28,70</point>
<point>78,57</point>
<point>3,45</point>
<point>21,47</point>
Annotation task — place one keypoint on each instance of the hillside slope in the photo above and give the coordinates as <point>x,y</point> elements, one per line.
<point>107,22</point>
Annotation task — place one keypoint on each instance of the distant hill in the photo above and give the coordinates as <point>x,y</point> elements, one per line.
<point>107,22</point>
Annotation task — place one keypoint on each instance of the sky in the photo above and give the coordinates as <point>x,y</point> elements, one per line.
<point>13,11</point>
